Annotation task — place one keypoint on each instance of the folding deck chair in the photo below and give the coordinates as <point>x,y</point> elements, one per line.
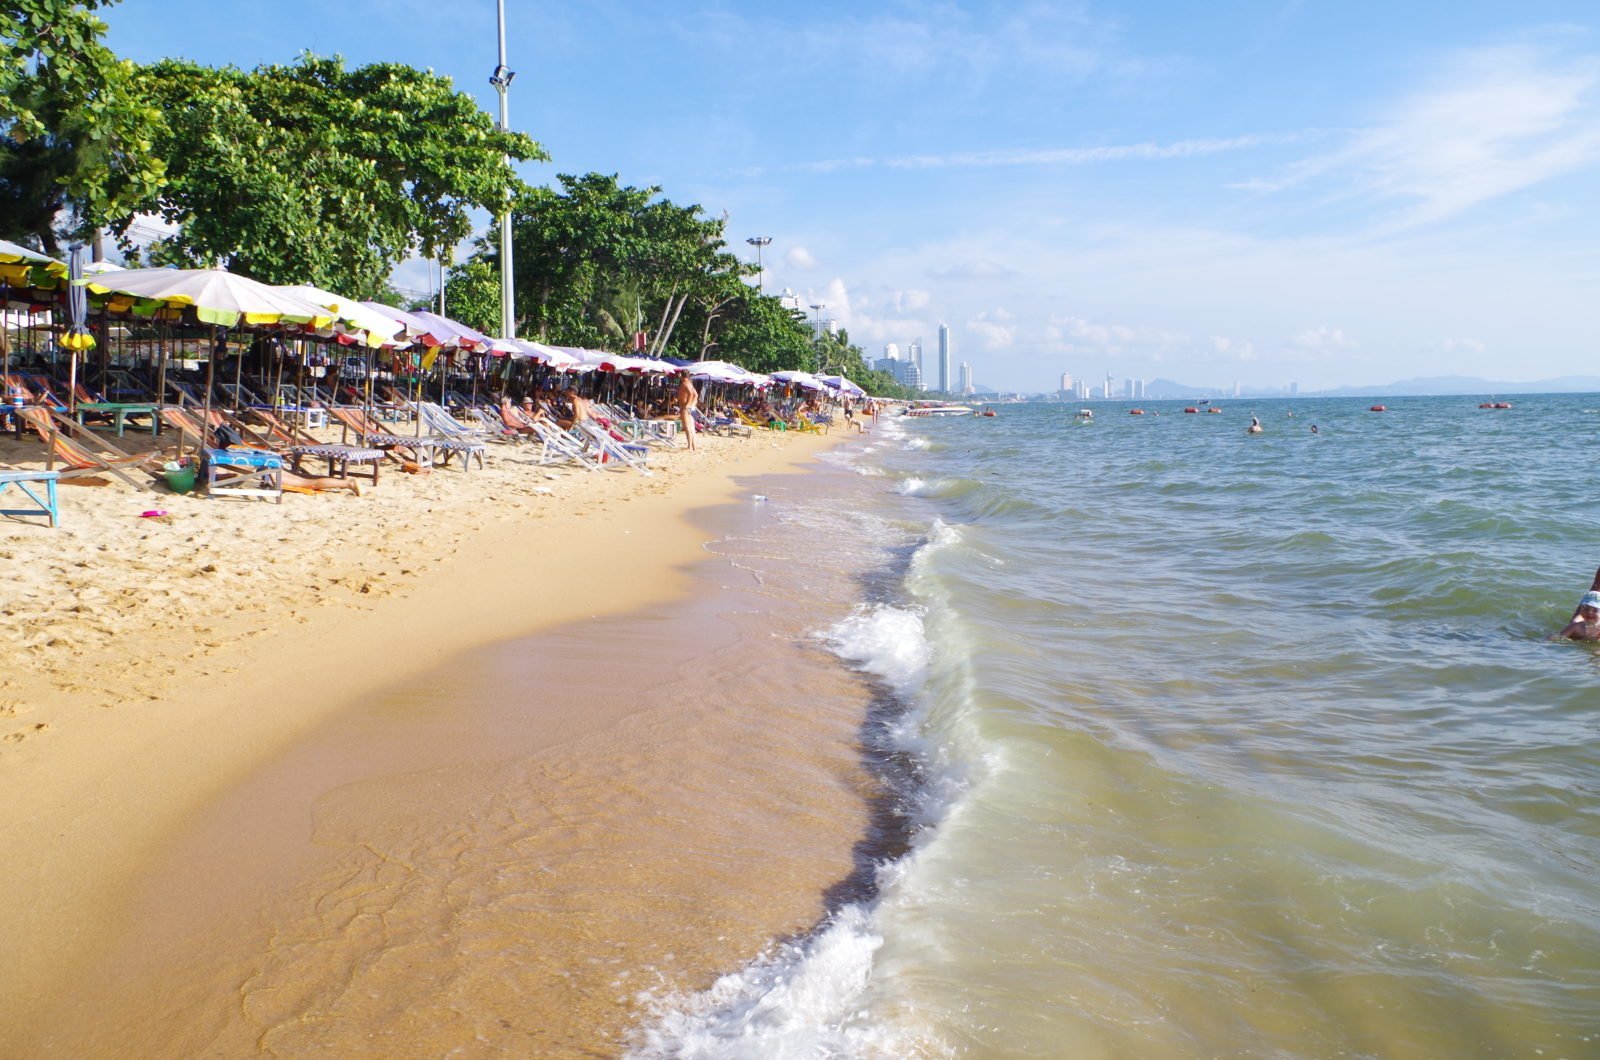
<point>57,430</point>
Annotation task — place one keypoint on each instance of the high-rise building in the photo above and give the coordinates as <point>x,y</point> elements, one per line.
<point>1130,388</point>
<point>944,358</point>
<point>1294,388</point>
<point>911,375</point>
<point>1066,384</point>
<point>891,351</point>
<point>1235,386</point>
<point>966,378</point>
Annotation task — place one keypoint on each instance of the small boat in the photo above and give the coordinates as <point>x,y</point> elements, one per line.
<point>987,412</point>
<point>939,410</point>
<point>1378,408</point>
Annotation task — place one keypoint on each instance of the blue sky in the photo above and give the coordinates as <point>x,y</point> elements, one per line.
<point>1312,192</point>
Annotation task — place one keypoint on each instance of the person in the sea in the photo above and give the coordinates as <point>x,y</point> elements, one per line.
<point>1314,429</point>
<point>1255,426</point>
<point>1585,624</point>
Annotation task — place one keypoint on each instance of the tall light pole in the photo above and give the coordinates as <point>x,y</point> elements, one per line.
<point>818,327</point>
<point>501,80</point>
<point>761,276</point>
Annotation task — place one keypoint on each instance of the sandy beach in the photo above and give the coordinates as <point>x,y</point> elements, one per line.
<point>163,661</point>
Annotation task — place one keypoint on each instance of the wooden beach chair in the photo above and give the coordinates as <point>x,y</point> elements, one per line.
<point>56,430</point>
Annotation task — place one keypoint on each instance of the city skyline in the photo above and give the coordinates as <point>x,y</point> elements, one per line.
<point>1281,191</point>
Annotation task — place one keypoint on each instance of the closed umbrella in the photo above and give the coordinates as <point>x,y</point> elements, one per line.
<point>77,339</point>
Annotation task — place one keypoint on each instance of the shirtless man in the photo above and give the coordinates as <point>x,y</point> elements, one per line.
<point>1255,426</point>
<point>1585,624</point>
<point>688,397</point>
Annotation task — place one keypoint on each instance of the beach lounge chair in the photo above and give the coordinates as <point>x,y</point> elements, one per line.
<point>27,482</point>
<point>610,450</point>
<point>57,430</point>
<point>355,422</point>
<point>243,473</point>
<point>559,447</point>
<point>722,425</point>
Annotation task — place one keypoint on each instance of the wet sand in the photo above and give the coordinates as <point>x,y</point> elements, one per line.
<point>512,852</point>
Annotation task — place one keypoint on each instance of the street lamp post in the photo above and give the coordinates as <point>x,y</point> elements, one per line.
<point>501,80</point>
<point>761,276</point>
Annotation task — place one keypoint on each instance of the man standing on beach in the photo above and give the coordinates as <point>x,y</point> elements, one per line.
<point>688,397</point>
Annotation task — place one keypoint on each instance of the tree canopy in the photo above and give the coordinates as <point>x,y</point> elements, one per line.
<point>314,173</point>
<point>75,135</point>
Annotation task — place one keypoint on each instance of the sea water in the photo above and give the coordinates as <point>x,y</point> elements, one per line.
<point>1198,743</point>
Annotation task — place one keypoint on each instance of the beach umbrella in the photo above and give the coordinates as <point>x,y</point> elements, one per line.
<point>362,323</point>
<point>28,281</point>
<point>218,297</point>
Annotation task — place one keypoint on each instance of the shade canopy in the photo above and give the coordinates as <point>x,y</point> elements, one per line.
<point>30,278</point>
<point>217,296</point>
<point>800,379</point>
<point>452,333</point>
<point>363,324</point>
<point>842,385</point>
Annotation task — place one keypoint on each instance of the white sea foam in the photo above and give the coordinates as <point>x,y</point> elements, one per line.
<point>912,486</point>
<point>818,997</point>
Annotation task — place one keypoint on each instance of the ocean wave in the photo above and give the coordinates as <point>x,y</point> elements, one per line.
<point>817,996</point>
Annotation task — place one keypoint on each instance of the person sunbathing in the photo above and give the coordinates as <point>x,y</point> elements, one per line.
<point>516,419</point>
<point>318,483</point>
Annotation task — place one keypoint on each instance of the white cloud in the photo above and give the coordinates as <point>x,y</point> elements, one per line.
<point>993,330</point>
<point>1054,156</point>
<point>1323,339</point>
<point>799,258</point>
<point>1070,332</point>
<point>1492,121</point>
<point>1463,346</point>
<point>980,269</point>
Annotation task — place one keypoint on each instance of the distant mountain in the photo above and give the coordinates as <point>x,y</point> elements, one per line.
<point>1466,384</point>
<point>1439,384</point>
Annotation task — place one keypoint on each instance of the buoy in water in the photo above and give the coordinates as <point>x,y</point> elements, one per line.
<point>1136,412</point>
<point>1191,409</point>
<point>1378,408</point>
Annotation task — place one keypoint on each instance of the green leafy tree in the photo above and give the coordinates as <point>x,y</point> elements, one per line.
<point>311,172</point>
<point>763,336</point>
<point>598,261</point>
<point>75,135</point>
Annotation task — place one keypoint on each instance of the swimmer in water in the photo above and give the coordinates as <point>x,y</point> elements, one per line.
<point>1314,429</point>
<point>1255,426</point>
<point>1585,624</point>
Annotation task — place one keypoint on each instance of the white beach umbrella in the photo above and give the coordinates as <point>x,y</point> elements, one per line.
<point>365,324</point>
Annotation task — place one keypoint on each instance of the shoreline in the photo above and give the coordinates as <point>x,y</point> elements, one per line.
<point>88,798</point>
